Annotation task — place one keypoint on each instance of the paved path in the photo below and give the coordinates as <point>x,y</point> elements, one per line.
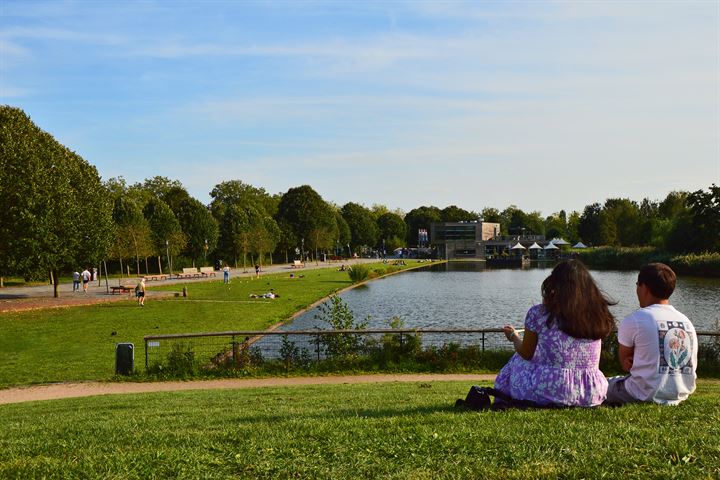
<point>90,389</point>
<point>41,296</point>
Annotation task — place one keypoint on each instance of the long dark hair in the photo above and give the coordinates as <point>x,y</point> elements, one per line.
<point>574,301</point>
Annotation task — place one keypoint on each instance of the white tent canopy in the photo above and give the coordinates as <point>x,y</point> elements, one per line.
<point>517,246</point>
<point>559,241</point>
<point>535,246</point>
<point>551,246</point>
<point>579,245</point>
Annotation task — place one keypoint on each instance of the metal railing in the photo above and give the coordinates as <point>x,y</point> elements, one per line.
<point>232,346</point>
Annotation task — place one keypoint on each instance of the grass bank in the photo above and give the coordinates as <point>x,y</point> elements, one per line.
<point>626,258</point>
<point>74,344</point>
<point>404,431</point>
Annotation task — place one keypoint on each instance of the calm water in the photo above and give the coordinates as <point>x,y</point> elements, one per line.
<point>466,296</point>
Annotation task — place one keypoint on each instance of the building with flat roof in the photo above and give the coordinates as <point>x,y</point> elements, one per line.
<point>462,239</point>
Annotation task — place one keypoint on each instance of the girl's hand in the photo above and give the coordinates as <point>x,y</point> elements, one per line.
<point>510,333</point>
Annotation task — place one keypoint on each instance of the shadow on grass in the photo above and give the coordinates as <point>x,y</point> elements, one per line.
<point>388,412</point>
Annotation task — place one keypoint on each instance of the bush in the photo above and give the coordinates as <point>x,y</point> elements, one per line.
<point>359,273</point>
<point>338,316</point>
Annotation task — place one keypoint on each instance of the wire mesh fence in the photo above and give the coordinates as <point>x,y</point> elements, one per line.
<point>302,348</point>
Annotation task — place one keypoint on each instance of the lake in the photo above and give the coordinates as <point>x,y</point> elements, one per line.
<point>466,295</point>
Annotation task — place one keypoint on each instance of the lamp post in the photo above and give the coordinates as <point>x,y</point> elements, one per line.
<point>349,251</point>
<point>383,252</point>
<point>205,251</point>
<point>302,250</point>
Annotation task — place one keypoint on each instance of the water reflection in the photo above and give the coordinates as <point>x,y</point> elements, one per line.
<point>466,295</point>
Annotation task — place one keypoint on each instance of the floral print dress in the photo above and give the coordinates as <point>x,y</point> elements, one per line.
<point>563,371</point>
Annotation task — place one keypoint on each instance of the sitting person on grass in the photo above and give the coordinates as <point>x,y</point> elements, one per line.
<point>557,360</point>
<point>658,345</point>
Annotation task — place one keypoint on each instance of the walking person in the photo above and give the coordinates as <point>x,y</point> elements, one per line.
<point>226,274</point>
<point>85,279</point>
<point>140,292</point>
<point>76,281</point>
<point>257,271</point>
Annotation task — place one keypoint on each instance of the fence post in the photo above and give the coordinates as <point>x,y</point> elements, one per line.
<point>401,340</point>
<point>232,350</point>
<point>483,342</point>
<point>146,354</point>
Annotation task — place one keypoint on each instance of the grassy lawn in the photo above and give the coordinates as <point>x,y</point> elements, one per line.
<point>401,430</point>
<point>71,344</point>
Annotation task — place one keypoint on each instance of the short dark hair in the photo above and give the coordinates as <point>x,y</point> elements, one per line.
<point>659,278</point>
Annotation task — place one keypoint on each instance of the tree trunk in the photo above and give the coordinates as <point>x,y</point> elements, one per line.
<point>55,283</point>
<point>147,270</point>
<point>159,265</point>
<point>121,269</point>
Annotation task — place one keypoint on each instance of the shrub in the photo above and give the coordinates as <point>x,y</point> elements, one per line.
<point>338,316</point>
<point>359,273</point>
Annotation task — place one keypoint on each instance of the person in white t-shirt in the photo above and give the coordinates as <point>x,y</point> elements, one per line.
<point>658,345</point>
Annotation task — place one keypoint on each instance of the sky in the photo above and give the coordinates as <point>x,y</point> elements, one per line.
<point>542,105</point>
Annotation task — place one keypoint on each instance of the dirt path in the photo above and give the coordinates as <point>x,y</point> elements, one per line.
<point>90,389</point>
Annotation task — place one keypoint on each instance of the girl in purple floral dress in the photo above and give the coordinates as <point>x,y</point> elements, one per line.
<point>557,359</point>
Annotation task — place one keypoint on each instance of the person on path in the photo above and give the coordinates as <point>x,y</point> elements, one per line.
<point>658,345</point>
<point>85,279</point>
<point>226,274</point>
<point>140,292</point>
<point>557,360</point>
<point>76,281</point>
<point>257,271</point>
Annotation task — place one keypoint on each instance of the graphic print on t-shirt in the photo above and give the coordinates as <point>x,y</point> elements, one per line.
<point>675,348</point>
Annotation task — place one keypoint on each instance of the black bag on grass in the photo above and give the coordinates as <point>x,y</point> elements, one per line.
<point>479,398</point>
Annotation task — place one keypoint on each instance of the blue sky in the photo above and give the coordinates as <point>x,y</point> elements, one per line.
<point>544,105</point>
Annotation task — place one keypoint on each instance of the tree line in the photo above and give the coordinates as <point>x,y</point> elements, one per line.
<point>57,215</point>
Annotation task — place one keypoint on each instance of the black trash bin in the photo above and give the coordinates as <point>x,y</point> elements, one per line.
<point>124,358</point>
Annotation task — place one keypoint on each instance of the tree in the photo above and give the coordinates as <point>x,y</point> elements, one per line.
<point>491,215</point>
<point>589,225</point>
<point>305,214</point>
<point>245,224</point>
<point>199,226</point>
<point>132,234</point>
<point>363,229</point>
<point>625,215</point>
<point>55,214</point>
<point>393,230</point>
<point>420,218</point>
<point>705,223</point>
<point>164,227</point>
<point>456,214</point>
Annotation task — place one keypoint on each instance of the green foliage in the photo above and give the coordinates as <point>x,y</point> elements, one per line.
<point>293,356</point>
<point>58,209</point>
<point>454,213</point>
<point>359,273</point>
<point>338,316</point>
<point>419,218</point>
<point>199,226</point>
<point>393,229</point>
<point>307,216</point>
<point>632,258</point>
<point>363,228</point>
<point>180,362</point>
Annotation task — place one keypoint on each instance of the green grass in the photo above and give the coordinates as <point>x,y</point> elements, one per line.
<point>400,430</point>
<point>72,344</point>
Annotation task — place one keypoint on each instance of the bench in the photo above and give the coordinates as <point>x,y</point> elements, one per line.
<point>120,289</point>
<point>156,277</point>
<point>297,264</point>
<point>207,271</point>
<point>188,272</point>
